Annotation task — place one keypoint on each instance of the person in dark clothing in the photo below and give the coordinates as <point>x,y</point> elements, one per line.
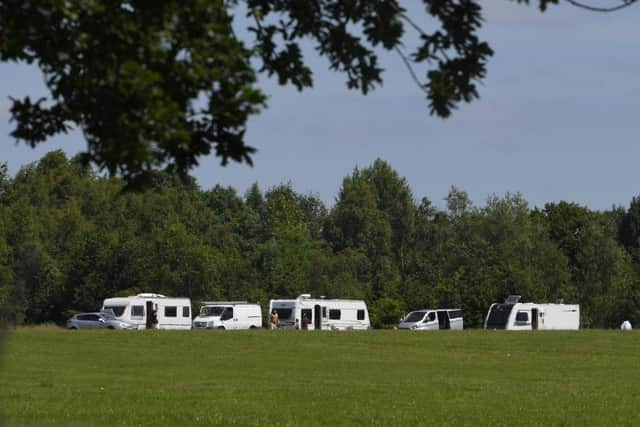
<point>154,317</point>
<point>305,321</point>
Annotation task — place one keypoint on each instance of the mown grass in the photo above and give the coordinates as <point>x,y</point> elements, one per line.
<point>202,378</point>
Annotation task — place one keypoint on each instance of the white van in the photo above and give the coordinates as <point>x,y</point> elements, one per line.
<point>228,315</point>
<point>433,319</point>
<point>305,312</point>
<point>514,315</point>
<point>172,313</point>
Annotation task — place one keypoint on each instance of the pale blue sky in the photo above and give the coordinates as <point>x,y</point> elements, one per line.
<point>557,119</point>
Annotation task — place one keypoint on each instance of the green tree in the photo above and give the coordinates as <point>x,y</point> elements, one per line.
<point>7,312</point>
<point>386,312</point>
<point>356,221</point>
<point>566,224</point>
<point>395,200</point>
<point>607,286</point>
<point>629,229</point>
<point>285,259</point>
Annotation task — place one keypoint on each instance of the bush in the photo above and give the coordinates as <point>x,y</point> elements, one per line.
<point>386,313</point>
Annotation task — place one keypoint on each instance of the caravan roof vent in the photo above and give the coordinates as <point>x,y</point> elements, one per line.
<point>304,296</point>
<point>512,299</point>
<point>560,301</point>
<point>150,295</point>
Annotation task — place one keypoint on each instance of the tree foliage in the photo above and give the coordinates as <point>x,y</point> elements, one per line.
<point>70,238</point>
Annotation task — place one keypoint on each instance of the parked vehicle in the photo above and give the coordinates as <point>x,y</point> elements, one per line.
<point>228,315</point>
<point>517,316</point>
<point>433,319</point>
<point>149,311</point>
<point>320,313</point>
<point>98,320</point>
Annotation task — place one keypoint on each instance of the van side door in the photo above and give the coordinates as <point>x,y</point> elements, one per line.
<point>227,318</point>
<point>456,320</point>
<point>429,322</point>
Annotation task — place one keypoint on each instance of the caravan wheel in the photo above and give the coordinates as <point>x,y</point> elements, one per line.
<point>221,327</point>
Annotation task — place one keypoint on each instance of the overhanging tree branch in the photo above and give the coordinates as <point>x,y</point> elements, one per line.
<point>407,63</point>
<point>625,3</point>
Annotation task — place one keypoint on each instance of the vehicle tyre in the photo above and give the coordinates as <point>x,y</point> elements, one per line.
<point>110,327</point>
<point>252,327</point>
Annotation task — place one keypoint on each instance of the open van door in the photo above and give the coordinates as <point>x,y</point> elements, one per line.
<point>443,320</point>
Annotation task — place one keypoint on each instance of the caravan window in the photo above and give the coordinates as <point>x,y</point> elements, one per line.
<point>185,312</point>
<point>137,311</point>
<point>334,314</point>
<point>522,317</point>
<point>360,314</point>
<point>283,313</point>
<point>118,310</point>
<point>171,311</point>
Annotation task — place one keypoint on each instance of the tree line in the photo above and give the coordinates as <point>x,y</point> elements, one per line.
<point>69,238</point>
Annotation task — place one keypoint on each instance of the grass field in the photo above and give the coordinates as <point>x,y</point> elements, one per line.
<point>202,378</point>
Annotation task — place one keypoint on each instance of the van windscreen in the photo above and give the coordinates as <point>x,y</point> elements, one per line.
<point>414,316</point>
<point>211,311</point>
<point>499,315</point>
<point>118,310</point>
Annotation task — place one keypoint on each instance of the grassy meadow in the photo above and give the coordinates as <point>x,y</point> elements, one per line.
<point>51,376</point>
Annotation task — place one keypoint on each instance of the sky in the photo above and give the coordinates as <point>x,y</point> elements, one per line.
<point>557,119</point>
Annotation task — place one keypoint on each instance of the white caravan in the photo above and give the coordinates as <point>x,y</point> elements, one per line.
<point>433,320</point>
<point>320,313</point>
<point>228,315</point>
<point>517,316</point>
<point>172,313</point>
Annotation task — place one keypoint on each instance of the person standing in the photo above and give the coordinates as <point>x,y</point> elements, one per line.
<point>274,320</point>
<point>154,317</point>
<point>305,321</point>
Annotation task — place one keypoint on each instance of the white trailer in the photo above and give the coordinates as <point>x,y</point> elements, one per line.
<point>228,315</point>
<point>305,312</point>
<point>171,313</point>
<point>433,319</point>
<point>517,316</point>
